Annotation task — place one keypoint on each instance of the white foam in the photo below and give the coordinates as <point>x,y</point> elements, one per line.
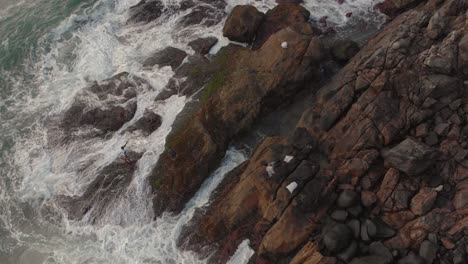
<point>242,254</point>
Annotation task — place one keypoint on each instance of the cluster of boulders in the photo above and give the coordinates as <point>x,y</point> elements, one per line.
<point>377,168</point>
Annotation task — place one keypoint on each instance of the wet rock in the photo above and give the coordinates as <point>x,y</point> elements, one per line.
<point>208,14</point>
<point>105,105</point>
<point>146,11</point>
<point>355,210</point>
<point>428,251</point>
<point>203,45</point>
<point>169,56</point>
<point>423,201</point>
<point>344,50</point>
<point>347,198</point>
<point>412,259</point>
<point>110,184</point>
<point>242,24</point>
<point>410,156</point>
<point>148,123</point>
<point>337,238</point>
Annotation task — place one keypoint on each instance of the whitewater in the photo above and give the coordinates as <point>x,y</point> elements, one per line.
<point>50,50</point>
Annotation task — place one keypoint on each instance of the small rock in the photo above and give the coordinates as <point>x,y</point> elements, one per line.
<point>337,238</point>
<point>371,228</point>
<point>378,249</point>
<point>428,251</point>
<point>455,119</point>
<point>423,201</point>
<point>455,104</point>
<point>459,257</point>
<point>347,198</point>
<point>355,227</point>
<point>339,215</point>
<point>383,230</point>
<point>368,198</point>
<point>412,259</point>
<point>355,210</point>
<point>432,237</point>
<point>441,129</point>
<point>422,130</point>
<point>431,139</point>
<point>169,56</point>
<point>369,260</point>
<point>203,45</point>
<point>349,252</point>
<point>410,156</point>
<point>448,244</point>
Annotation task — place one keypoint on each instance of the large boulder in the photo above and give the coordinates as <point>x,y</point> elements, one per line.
<point>280,17</point>
<point>105,105</point>
<point>337,238</point>
<point>169,56</point>
<point>410,156</point>
<point>242,24</point>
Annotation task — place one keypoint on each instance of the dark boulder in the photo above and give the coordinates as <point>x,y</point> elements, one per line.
<point>337,238</point>
<point>242,24</point>
<point>107,186</point>
<point>412,259</point>
<point>169,56</point>
<point>347,198</point>
<point>148,123</point>
<point>113,103</point>
<point>410,156</point>
<point>203,45</point>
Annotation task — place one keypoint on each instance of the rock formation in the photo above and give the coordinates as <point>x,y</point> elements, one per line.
<point>380,157</point>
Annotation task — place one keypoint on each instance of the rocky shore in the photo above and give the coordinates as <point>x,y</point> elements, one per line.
<point>375,171</point>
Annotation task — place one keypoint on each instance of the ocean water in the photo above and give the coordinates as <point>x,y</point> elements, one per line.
<point>49,51</point>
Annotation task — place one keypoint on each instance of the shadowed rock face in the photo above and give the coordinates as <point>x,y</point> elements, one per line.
<point>105,106</point>
<point>248,83</point>
<point>110,184</point>
<point>371,123</point>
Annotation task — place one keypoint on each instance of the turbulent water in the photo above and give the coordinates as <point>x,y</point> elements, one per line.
<point>49,51</point>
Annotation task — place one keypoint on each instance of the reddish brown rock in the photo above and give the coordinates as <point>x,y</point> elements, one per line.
<point>423,201</point>
<point>242,23</point>
<point>281,17</point>
<point>393,8</point>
